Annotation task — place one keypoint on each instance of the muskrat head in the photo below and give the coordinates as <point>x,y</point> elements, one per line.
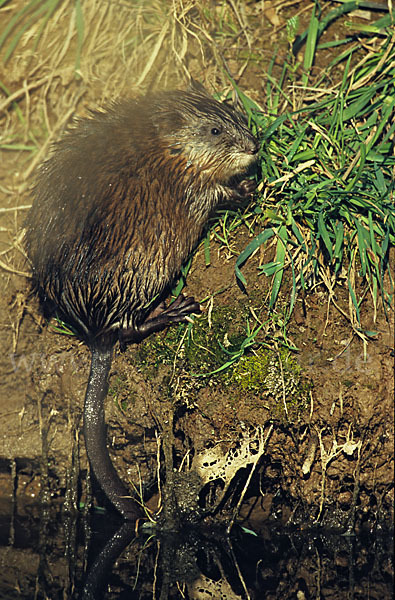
<point>213,137</point>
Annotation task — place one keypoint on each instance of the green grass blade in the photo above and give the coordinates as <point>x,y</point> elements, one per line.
<point>373,244</point>
<point>362,150</point>
<point>252,246</point>
<point>339,245</point>
<point>273,127</point>
<point>323,232</point>
<point>15,40</point>
<point>176,291</point>
<point>207,258</point>
<point>280,259</point>
<point>16,19</point>
<point>311,43</point>
<point>387,114</point>
<point>356,108</point>
<point>325,22</point>
<point>18,147</point>
<point>351,290</point>
<point>361,234</point>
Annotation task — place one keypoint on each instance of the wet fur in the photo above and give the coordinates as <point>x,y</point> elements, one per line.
<point>118,207</point>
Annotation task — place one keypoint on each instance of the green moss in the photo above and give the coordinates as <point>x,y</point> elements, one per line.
<point>277,379</point>
<point>204,347</point>
<point>207,347</point>
<point>120,393</point>
<point>261,379</point>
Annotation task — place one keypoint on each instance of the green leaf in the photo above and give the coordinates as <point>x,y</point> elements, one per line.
<point>280,259</point>
<point>323,232</point>
<point>207,259</point>
<point>252,246</point>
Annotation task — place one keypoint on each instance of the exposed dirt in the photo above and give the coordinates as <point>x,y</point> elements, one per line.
<point>349,424</point>
<point>334,466</point>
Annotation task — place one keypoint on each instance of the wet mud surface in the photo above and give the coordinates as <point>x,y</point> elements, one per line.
<point>43,555</point>
<point>333,465</point>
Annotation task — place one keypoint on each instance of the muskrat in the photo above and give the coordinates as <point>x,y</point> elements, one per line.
<point>118,207</point>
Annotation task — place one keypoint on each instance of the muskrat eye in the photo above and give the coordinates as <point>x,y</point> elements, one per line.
<point>215,131</point>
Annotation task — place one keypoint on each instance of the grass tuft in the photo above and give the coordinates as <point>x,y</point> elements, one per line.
<point>328,171</point>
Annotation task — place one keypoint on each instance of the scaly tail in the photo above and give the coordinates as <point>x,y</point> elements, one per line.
<point>96,439</point>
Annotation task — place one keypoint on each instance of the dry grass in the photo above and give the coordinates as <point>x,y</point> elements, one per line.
<point>87,55</point>
<point>59,58</point>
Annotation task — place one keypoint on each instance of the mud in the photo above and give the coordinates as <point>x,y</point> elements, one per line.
<point>46,556</point>
<point>333,466</point>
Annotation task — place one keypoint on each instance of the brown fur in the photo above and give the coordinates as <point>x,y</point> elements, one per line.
<point>119,205</point>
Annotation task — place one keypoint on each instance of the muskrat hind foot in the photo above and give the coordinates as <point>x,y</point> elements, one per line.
<point>159,319</point>
<point>180,308</point>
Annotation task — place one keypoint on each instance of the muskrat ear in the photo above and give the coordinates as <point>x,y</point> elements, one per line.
<point>196,86</point>
<point>165,121</point>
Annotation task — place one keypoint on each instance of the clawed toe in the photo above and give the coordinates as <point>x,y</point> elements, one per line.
<point>183,306</point>
<point>246,188</point>
<point>178,312</point>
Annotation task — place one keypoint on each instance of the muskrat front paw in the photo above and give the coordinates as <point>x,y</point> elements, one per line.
<point>245,188</point>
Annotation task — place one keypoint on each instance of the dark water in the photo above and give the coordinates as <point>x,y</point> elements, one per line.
<point>44,555</point>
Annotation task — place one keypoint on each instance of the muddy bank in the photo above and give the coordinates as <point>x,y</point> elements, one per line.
<point>328,463</point>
